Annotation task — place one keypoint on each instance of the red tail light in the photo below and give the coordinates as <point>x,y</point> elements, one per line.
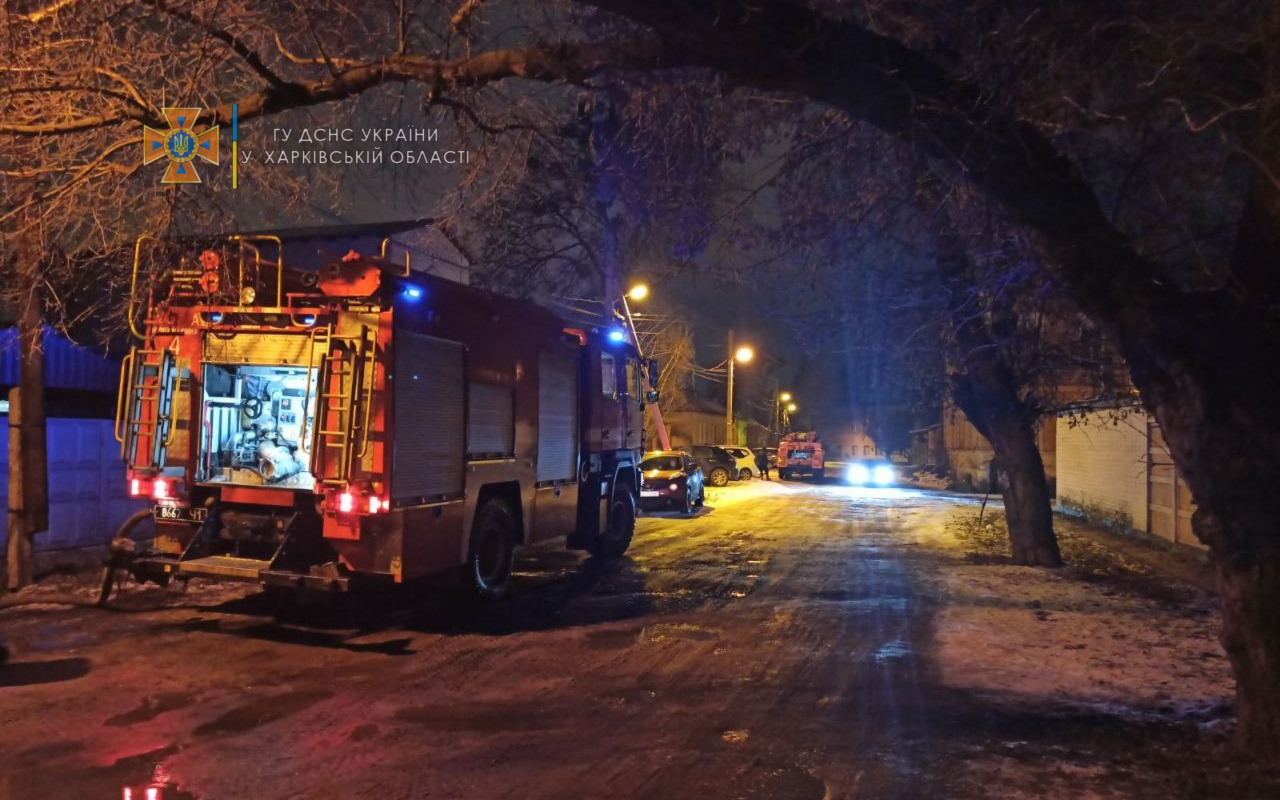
<point>356,502</point>
<point>135,488</point>
<point>160,489</point>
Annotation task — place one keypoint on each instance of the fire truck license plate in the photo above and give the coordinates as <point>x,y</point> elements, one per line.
<point>180,513</point>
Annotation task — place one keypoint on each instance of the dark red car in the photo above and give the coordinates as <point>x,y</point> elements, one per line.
<point>671,479</point>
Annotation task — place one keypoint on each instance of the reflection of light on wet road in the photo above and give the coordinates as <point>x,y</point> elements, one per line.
<point>152,792</point>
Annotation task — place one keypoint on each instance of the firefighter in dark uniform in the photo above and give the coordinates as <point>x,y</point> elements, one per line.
<point>762,463</point>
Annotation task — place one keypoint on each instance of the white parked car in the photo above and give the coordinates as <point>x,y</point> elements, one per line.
<point>745,459</point>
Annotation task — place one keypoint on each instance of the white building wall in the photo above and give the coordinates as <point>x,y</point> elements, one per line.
<point>1102,466</point>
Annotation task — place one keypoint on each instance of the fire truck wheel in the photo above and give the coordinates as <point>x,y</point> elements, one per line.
<point>493,547</point>
<point>614,540</point>
<point>719,477</point>
<point>783,475</point>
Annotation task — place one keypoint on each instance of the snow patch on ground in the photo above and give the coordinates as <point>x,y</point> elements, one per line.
<point>1101,639</point>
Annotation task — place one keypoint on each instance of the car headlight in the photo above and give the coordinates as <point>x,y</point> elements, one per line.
<point>858,473</point>
<point>883,475</point>
<point>674,486</point>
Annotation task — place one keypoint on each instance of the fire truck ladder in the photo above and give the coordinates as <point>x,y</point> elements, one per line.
<point>144,407</point>
<point>345,392</point>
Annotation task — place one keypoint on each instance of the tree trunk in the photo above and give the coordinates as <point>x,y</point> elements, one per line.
<point>28,476</point>
<point>989,391</point>
<point>1250,595</point>
<point>991,403</point>
<point>1027,503</point>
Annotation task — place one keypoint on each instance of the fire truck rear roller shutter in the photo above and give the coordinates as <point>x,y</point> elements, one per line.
<point>267,349</point>
<point>430,419</point>
<point>557,416</point>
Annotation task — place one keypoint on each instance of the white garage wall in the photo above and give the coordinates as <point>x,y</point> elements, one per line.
<point>1102,466</point>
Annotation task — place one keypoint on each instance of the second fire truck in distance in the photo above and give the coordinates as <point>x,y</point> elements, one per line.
<point>800,454</point>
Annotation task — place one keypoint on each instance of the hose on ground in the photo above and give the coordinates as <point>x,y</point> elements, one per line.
<point>122,548</point>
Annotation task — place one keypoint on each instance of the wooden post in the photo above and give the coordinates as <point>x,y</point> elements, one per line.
<point>28,474</point>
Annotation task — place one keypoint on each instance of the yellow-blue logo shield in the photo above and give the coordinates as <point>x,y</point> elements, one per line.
<point>181,145</point>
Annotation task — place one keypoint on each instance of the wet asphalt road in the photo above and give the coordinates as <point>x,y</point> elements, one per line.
<point>774,646</point>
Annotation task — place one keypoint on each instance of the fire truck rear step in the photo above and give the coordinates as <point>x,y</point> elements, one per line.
<point>226,567</point>
<point>250,569</point>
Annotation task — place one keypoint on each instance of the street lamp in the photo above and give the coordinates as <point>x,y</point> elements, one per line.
<point>782,408</point>
<point>744,355</point>
<point>639,292</point>
<point>780,400</point>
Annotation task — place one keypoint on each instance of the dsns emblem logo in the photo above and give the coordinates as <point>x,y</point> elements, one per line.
<point>181,145</point>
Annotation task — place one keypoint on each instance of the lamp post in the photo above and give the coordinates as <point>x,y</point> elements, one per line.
<point>640,292</point>
<point>743,354</point>
<point>781,405</point>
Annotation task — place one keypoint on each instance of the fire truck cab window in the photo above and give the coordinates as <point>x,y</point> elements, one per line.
<point>255,429</point>
<point>608,376</point>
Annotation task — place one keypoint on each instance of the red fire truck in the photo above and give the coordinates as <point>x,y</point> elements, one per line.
<point>316,429</point>
<point>800,454</point>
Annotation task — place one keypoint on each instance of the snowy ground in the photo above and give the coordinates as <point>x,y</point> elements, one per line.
<point>789,641</point>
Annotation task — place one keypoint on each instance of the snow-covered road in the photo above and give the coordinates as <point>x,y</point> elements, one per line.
<point>789,641</point>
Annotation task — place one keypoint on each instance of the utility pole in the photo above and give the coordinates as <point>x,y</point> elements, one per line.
<point>28,467</point>
<point>644,366</point>
<point>777,408</point>
<point>728,412</point>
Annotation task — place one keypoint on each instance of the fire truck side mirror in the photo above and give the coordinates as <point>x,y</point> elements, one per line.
<point>653,375</point>
<point>652,396</point>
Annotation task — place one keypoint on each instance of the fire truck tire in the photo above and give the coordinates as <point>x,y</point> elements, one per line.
<point>493,547</point>
<point>784,475</point>
<point>616,538</point>
<point>719,477</point>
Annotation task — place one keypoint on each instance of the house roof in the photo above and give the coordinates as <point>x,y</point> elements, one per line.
<point>342,230</point>
<point>66,365</point>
